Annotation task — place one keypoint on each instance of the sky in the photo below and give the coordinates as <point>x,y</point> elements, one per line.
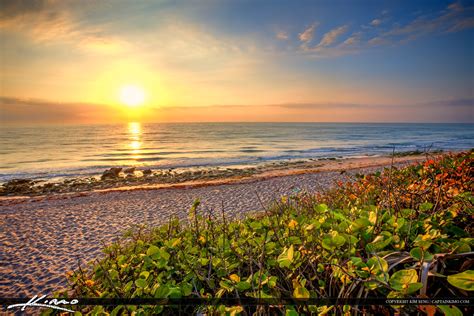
<point>318,61</point>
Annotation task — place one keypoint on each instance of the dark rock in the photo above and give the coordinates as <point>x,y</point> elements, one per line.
<point>18,182</point>
<point>18,186</point>
<point>112,173</point>
<point>147,172</point>
<point>129,170</point>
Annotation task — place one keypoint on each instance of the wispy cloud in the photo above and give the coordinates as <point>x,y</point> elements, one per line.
<point>281,35</point>
<point>331,36</point>
<point>354,39</point>
<point>307,35</point>
<point>48,22</point>
<point>376,22</point>
<point>454,18</point>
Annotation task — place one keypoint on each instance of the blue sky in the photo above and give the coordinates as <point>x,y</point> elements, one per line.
<point>214,60</point>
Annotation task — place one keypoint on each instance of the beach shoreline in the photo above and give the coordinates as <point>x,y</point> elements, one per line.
<point>191,178</point>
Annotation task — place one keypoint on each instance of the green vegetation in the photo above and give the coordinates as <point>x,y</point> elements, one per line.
<point>399,233</point>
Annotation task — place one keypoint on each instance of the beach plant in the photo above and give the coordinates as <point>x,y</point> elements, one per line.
<point>399,233</point>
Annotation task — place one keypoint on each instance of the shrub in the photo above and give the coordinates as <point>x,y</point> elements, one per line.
<point>399,233</point>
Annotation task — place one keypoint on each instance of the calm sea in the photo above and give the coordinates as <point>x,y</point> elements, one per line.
<point>61,151</point>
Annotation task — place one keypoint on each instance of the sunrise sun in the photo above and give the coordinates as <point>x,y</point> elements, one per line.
<point>132,96</point>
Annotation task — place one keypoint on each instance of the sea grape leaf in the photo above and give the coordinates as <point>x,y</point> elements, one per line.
<point>426,206</point>
<point>144,275</point>
<point>152,250</point>
<point>243,285</point>
<point>332,242</point>
<point>450,310</point>
<point>400,280</point>
<point>380,242</point>
<point>141,283</point>
<point>413,287</point>
<point>301,292</point>
<point>361,223</point>
<point>162,292</point>
<point>463,280</point>
<point>418,254</point>
<point>286,257</point>
<point>377,264</point>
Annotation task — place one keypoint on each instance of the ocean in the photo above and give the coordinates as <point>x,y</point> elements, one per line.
<point>82,150</point>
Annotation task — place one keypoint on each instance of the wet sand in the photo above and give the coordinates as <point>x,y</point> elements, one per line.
<point>41,238</point>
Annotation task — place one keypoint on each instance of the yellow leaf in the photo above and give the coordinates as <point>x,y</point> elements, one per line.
<point>176,242</point>
<point>89,283</point>
<point>301,292</point>
<point>372,217</point>
<point>292,224</point>
<point>234,277</point>
<point>290,253</point>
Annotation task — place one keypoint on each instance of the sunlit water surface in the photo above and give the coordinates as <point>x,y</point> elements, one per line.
<point>59,151</point>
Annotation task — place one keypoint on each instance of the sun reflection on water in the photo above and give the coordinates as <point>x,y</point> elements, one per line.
<point>135,131</point>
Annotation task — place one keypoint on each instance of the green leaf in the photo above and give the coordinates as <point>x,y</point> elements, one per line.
<point>377,264</point>
<point>286,257</point>
<point>162,292</point>
<point>360,223</point>
<point>463,280</point>
<point>380,242</point>
<point>413,287</point>
<point>186,289</point>
<point>226,285</point>
<point>333,242</point>
<point>301,292</point>
<point>152,250</point>
<point>461,247</point>
<point>243,285</point>
<point>114,275</point>
<point>450,310</point>
<point>144,275</point>
<point>416,253</point>
<point>116,310</point>
<point>426,206</point>
<point>420,254</point>
<point>128,287</point>
<point>322,208</point>
<point>272,281</point>
<point>141,283</point>
<point>175,292</point>
<point>255,225</point>
<point>400,280</point>
<point>164,254</point>
<point>291,312</point>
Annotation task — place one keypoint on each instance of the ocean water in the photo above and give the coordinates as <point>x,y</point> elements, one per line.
<point>62,151</point>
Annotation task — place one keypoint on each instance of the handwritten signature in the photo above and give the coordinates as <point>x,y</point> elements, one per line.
<point>38,302</point>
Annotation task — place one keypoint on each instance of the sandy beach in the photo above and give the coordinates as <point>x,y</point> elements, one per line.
<point>43,237</point>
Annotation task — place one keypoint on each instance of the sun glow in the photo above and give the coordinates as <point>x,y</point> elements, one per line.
<point>132,96</point>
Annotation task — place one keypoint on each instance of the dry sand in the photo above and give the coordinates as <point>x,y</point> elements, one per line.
<point>41,238</point>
